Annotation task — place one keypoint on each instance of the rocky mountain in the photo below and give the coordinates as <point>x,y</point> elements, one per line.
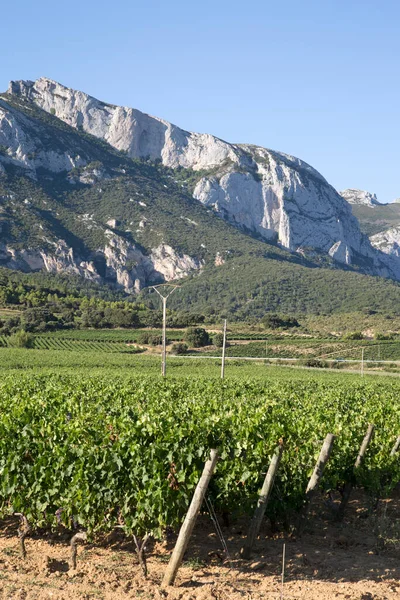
<point>360,197</point>
<point>388,241</point>
<point>113,194</point>
<point>277,196</point>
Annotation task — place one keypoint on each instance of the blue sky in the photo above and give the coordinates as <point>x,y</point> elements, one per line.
<point>319,80</point>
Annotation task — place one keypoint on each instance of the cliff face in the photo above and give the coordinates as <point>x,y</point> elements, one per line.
<point>54,136</point>
<point>279,197</point>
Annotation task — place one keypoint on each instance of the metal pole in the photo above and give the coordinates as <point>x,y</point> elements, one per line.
<point>223,352</point>
<point>164,339</point>
<point>164,327</point>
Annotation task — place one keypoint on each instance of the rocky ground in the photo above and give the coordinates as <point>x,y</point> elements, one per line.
<point>358,559</point>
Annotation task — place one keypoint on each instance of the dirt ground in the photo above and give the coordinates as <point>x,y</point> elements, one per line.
<point>357,559</point>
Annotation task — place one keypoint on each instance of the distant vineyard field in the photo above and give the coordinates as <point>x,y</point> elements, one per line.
<point>113,335</point>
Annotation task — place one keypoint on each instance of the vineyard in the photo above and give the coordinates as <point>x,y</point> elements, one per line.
<point>96,453</point>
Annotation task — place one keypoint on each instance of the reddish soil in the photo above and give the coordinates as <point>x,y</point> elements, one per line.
<point>357,559</point>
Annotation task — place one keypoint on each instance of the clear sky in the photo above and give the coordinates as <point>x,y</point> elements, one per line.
<point>317,79</point>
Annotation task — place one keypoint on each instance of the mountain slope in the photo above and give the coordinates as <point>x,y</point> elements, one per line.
<point>71,202</point>
<point>101,214</point>
<point>276,196</point>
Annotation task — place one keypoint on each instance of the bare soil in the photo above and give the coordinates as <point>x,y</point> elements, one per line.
<point>357,559</point>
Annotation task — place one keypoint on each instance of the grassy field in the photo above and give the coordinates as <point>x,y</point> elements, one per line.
<point>99,363</point>
<point>119,350</point>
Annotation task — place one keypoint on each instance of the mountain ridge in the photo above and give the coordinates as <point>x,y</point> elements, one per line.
<point>270,193</point>
<point>72,202</point>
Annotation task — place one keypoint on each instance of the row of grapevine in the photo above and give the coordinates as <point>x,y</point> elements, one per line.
<point>57,343</point>
<point>131,451</point>
<point>116,335</point>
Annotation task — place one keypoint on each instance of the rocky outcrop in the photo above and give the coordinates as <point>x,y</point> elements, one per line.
<point>360,197</point>
<point>286,200</point>
<point>119,262</point>
<point>274,195</point>
<point>22,144</point>
<point>388,241</point>
<point>128,129</point>
<point>270,194</point>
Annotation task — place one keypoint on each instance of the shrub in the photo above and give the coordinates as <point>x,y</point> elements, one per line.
<point>179,348</point>
<point>314,362</point>
<point>156,339</point>
<point>353,335</point>
<point>144,337</point>
<point>22,339</point>
<point>277,321</point>
<point>197,337</point>
<point>383,336</point>
<point>218,340</point>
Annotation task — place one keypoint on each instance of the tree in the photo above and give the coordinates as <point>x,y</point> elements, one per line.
<point>179,348</point>
<point>22,339</point>
<point>197,337</point>
<point>218,340</point>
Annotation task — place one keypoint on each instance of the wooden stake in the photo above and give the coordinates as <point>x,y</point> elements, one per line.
<point>262,503</point>
<point>190,520</point>
<point>362,362</point>
<point>313,484</point>
<point>349,484</point>
<point>283,569</point>
<point>223,352</point>
<point>395,447</point>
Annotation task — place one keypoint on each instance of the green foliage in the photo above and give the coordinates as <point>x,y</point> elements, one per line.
<point>383,336</point>
<point>131,451</point>
<point>218,340</point>
<point>179,348</point>
<point>21,339</point>
<point>197,337</point>
<point>280,321</point>
<point>353,335</point>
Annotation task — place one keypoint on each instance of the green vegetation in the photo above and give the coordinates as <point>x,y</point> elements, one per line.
<point>374,219</point>
<point>102,453</point>
<point>179,348</point>
<point>153,204</point>
<point>197,337</point>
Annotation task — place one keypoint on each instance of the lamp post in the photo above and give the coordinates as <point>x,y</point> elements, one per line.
<point>164,330</point>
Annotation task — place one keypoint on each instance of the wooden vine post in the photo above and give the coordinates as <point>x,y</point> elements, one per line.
<point>263,498</point>
<point>315,479</point>
<point>349,484</point>
<point>395,447</point>
<point>190,520</point>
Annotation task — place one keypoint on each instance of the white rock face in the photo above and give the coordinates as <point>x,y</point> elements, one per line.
<point>360,197</point>
<point>24,147</point>
<point>171,265</point>
<point>137,133</point>
<point>124,264</point>
<point>275,195</point>
<point>287,201</point>
<point>387,241</point>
